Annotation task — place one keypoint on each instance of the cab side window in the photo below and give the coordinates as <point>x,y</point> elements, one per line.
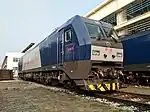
<point>68,35</point>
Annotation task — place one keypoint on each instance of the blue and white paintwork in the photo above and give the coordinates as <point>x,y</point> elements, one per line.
<point>32,59</point>
<point>48,52</point>
<point>118,53</point>
<point>72,59</point>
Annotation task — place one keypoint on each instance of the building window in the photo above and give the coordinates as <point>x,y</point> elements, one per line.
<point>110,19</point>
<point>16,59</point>
<point>137,8</point>
<point>68,35</point>
<point>136,27</point>
<point>139,26</point>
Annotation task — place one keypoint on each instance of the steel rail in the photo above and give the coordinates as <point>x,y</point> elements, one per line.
<point>132,93</point>
<point>127,99</point>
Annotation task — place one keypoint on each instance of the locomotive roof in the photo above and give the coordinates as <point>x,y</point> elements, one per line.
<point>75,20</point>
<point>76,17</point>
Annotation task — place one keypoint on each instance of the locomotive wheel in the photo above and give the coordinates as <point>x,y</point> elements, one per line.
<point>42,80</point>
<point>47,81</point>
<point>54,82</point>
<point>69,85</point>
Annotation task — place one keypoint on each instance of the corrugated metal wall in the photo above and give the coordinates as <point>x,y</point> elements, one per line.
<point>6,74</point>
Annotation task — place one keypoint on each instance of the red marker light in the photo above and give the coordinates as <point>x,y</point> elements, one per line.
<point>108,49</point>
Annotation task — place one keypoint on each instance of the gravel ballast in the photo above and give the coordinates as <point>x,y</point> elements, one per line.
<point>21,96</point>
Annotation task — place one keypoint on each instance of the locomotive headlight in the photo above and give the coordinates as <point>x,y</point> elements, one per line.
<point>119,55</point>
<point>96,52</point>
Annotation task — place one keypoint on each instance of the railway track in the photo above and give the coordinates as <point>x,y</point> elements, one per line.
<point>138,100</point>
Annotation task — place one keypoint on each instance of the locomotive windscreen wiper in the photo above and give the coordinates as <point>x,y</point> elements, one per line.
<point>113,35</point>
<point>98,37</point>
<point>108,31</point>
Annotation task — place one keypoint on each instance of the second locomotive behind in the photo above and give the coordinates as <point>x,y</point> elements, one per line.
<point>82,53</point>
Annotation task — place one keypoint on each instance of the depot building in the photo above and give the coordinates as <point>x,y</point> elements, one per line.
<point>127,16</point>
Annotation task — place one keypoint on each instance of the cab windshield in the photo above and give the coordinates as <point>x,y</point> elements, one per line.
<point>110,32</point>
<point>103,32</point>
<point>94,31</point>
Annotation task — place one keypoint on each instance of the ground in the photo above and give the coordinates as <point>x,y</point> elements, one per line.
<point>21,96</point>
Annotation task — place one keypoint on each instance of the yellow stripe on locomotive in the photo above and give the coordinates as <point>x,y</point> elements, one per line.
<point>104,87</point>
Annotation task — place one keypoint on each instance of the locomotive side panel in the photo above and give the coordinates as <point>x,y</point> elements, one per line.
<point>137,58</point>
<point>48,50</point>
<point>136,52</point>
<point>31,59</point>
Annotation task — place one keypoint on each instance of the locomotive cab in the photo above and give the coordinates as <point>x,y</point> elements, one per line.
<point>106,55</point>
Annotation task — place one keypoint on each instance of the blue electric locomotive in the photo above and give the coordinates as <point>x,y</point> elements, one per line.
<point>137,57</point>
<point>82,53</point>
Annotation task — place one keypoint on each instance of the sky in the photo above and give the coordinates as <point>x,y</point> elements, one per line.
<point>26,21</point>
